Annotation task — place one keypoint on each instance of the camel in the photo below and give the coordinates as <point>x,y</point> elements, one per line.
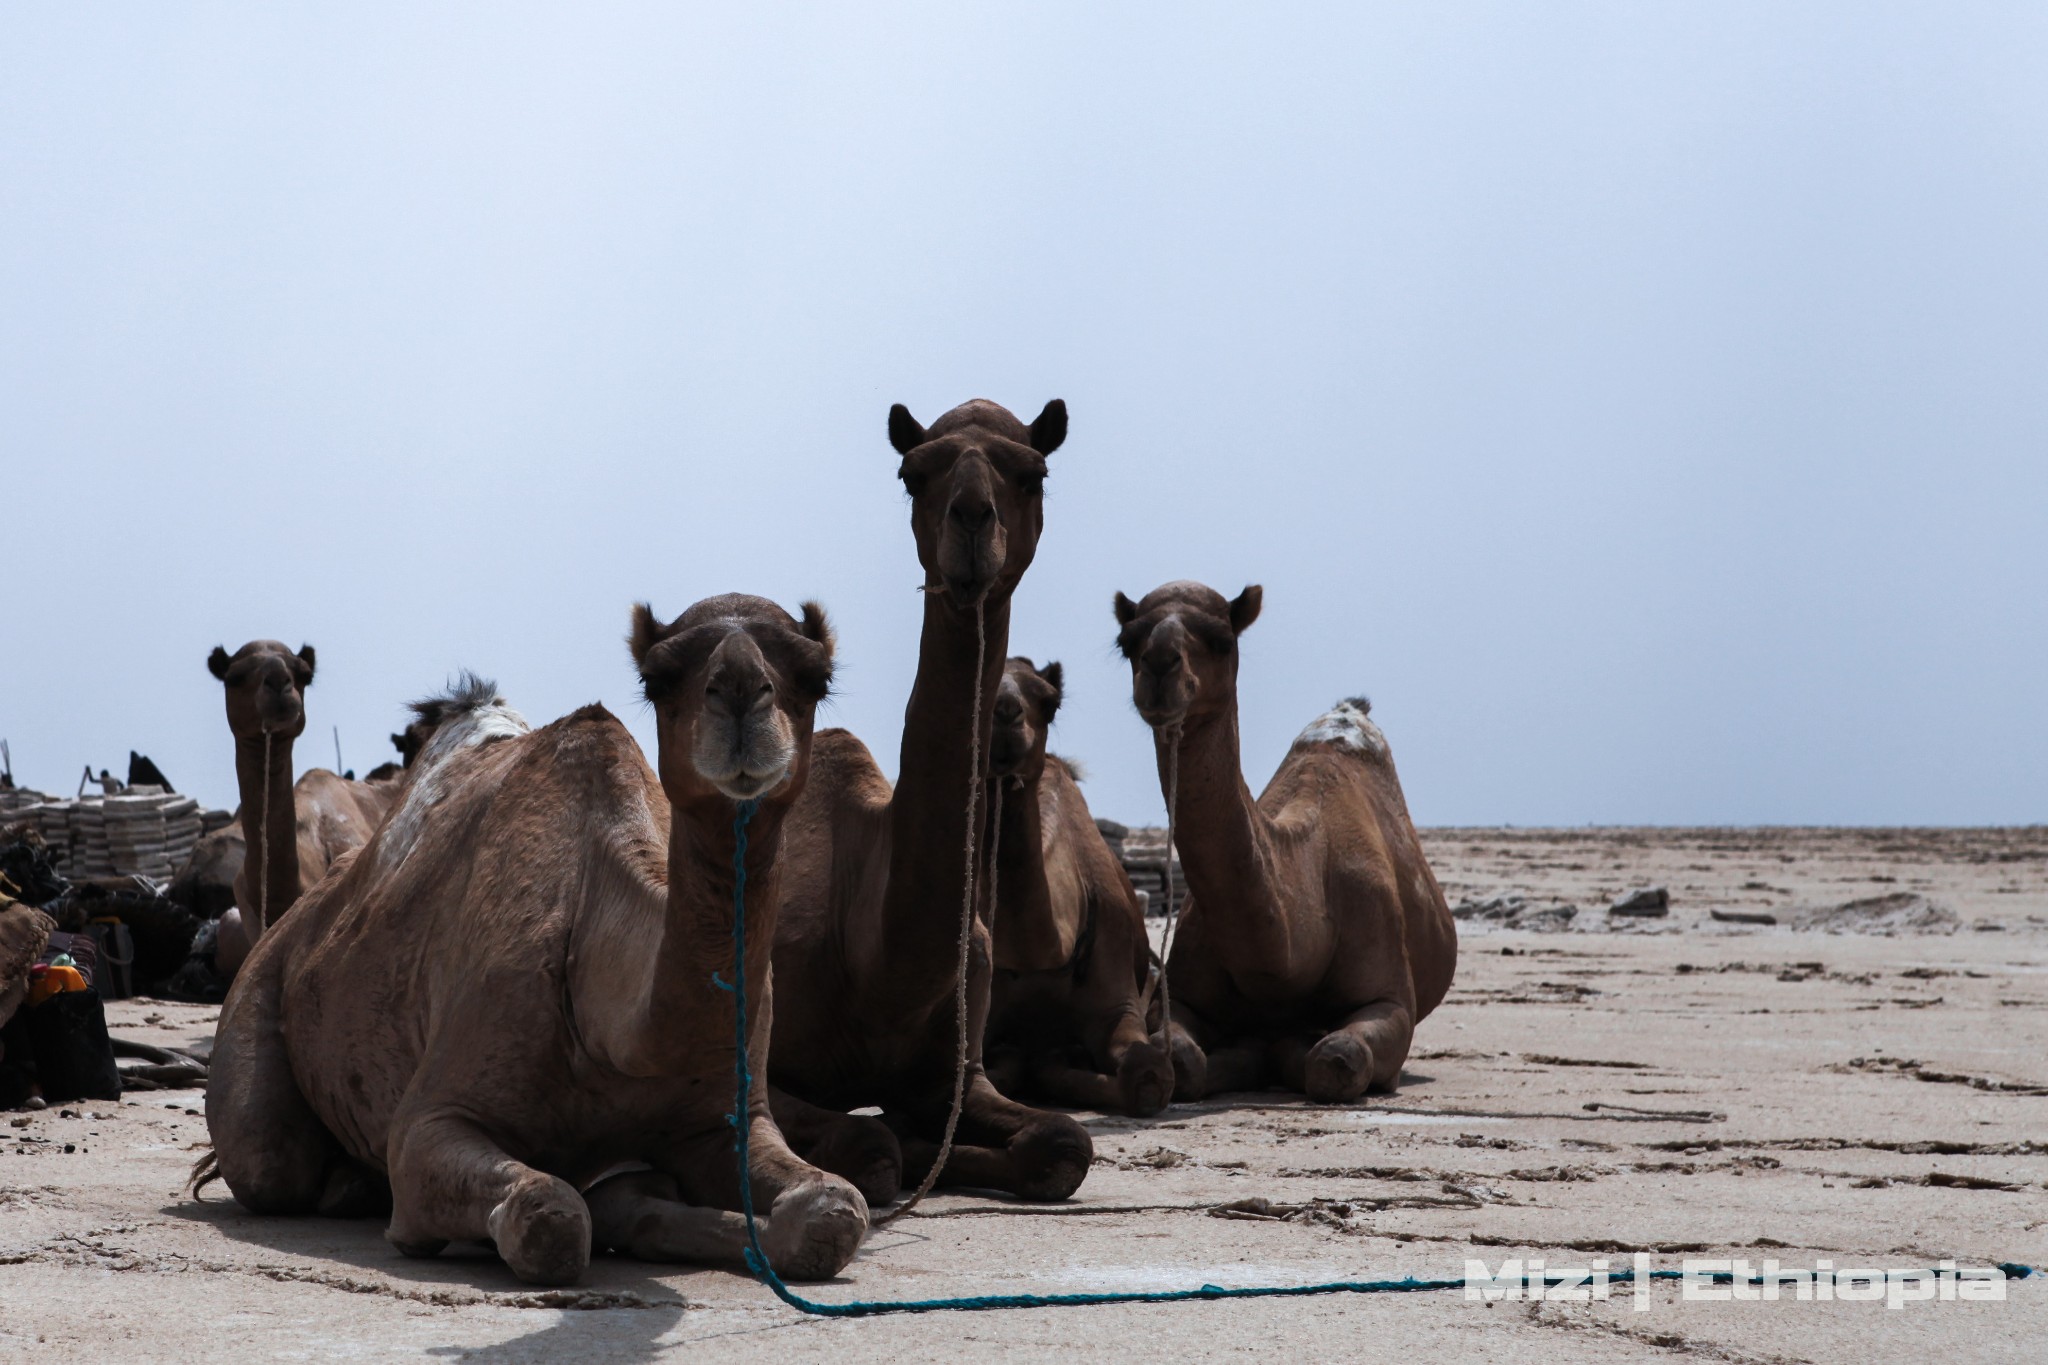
<point>1067,1009</point>
<point>509,1001</point>
<point>1314,937</point>
<point>311,822</point>
<point>867,948</point>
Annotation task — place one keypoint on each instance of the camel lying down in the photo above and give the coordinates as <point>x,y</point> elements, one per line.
<point>1315,937</point>
<point>506,996</point>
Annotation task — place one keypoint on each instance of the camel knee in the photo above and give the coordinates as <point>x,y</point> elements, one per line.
<point>860,1149</point>
<point>1338,1069</point>
<point>1146,1078</point>
<point>815,1228</point>
<point>1190,1066</point>
<point>542,1230</point>
<point>1050,1155</point>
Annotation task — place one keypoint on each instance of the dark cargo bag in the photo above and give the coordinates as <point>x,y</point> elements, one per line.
<point>74,1056</point>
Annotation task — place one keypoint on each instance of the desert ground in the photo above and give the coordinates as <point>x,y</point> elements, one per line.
<point>1593,1086</point>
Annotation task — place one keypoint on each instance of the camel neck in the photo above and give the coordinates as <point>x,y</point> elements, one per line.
<point>677,1032</point>
<point>1224,845</point>
<point>1027,934</point>
<point>917,939</point>
<point>270,826</point>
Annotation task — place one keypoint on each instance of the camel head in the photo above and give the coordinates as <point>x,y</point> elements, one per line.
<point>427,718</point>
<point>266,686</point>
<point>976,479</point>
<point>735,682</point>
<point>1026,702</point>
<point>1182,644</point>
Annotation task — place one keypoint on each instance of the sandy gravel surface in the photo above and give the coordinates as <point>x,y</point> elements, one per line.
<point>1684,1086</point>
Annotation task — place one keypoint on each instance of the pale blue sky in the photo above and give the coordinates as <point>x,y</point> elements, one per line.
<point>1647,405</point>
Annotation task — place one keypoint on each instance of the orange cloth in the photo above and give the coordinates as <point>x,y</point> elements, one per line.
<point>54,981</point>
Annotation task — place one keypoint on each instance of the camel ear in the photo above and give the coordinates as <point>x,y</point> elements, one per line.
<point>217,663</point>
<point>1056,676</point>
<point>816,627</point>
<point>645,635</point>
<point>904,432</point>
<point>1126,610</point>
<point>1244,608</point>
<point>306,656</point>
<point>1051,427</point>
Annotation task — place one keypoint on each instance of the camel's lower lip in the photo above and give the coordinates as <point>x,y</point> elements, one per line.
<point>745,787</point>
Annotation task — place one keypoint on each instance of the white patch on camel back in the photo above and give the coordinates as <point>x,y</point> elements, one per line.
<point>1347,724</point>
<point>428,784</point>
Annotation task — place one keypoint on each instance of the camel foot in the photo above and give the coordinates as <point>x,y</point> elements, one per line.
<point>862,1150</point>
<point>542,1230</point>
<point>1338,1069</point>
<point>353,1190</point>
<point>1145,1078</point>
<point>1190,1067</point>
<point>814,1229</point>
<point>1050,1156</point>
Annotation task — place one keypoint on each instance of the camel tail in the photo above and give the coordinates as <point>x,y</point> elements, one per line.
<point>205,1171</point>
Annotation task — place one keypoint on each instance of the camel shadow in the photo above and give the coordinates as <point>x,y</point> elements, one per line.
<point>1273,1097</point>
<point>628,1309</point>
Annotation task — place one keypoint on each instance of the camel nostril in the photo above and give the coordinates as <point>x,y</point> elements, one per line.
<point>973,517</point>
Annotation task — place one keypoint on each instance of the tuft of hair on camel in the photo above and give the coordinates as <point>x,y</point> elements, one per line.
<point>1067,1010</point>
<point>518,1037</point>
<point>867,949</point>
<point>1314,937</point>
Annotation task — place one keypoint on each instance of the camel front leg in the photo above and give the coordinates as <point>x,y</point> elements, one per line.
<point>1110,1006</point>
<point>451,1181</point>
<point>857,1146</point>
<point>1366,1050</point>
<point>810,1223</point>
<point>1083,1087</point>
<point>1001,1144</point>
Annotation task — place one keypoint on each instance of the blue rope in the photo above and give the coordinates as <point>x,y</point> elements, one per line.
<point>757,1260</point>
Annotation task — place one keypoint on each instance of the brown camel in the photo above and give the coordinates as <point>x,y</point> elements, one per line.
<point>506,1001</point>
<point>867,952</point>
<point>1067,1010</point>
<point>1315,937</point>
<point>311,822</point>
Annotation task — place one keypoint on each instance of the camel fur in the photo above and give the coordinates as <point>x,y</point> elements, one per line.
<point>866,954</point>
<point>1314,937</point>
<point>1068,1003</point>
<point>504,1004</point>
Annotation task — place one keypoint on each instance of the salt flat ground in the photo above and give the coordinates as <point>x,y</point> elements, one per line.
<point>1870,1100</point>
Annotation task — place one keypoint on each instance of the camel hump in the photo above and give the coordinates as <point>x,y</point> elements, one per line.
<point>469,713</point>
<point>1349,724</point>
